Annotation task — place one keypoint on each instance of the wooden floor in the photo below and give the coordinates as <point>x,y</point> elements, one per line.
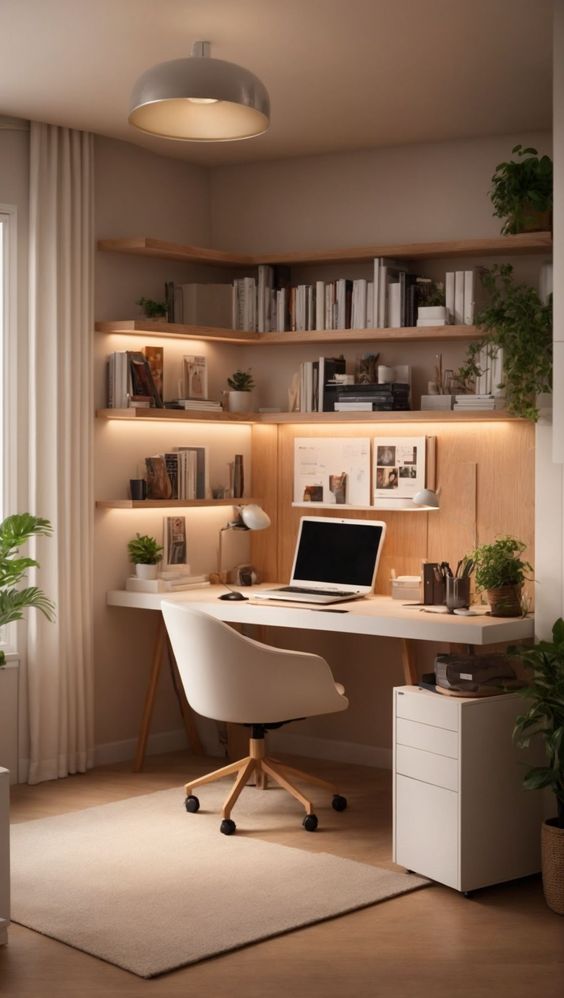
<point>503,941</point>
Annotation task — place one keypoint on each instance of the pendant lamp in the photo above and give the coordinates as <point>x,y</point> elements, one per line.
<point>200,99</point>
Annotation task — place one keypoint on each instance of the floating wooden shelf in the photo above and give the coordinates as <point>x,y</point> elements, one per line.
<point>178,414</point>
<point>169,503</point>
<point>178,330</point>
<point>525,242</point>
<point>413,416</point>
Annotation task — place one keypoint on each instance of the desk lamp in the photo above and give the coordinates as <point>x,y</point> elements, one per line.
<point>251,517</point>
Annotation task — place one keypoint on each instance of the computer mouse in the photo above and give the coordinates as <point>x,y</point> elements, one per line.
<point>233,595</point>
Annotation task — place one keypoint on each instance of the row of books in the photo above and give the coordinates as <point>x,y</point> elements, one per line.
<point>163,585</point>
<point>182,473</point>
<point>323,387</point>
<point>389,397</point>
<point>472,403</point>
<point>462,291</point>
<point>134,377</point>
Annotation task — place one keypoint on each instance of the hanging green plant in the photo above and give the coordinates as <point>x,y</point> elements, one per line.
<point>516,321</point>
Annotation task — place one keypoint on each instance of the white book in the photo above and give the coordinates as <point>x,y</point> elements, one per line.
<point>350,406</point>
<point>459,298</point>
<point>135,585</point>
<point>430,322</point>
<point>394,304</point>
<point>449,294</point>
<point>469,298</point>
<point>360,288</point>
<point>320,305</point>
<point>370,305</point>
<point>375,292</point>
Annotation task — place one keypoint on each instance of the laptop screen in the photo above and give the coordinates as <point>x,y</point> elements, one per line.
<point>343,553</point>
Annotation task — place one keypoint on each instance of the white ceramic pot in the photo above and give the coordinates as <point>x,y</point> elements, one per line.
<point>437,312</point>
<point>240,402</point>
<point>146,571</point>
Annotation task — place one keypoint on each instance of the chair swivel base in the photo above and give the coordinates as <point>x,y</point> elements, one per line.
<point>262,766</point>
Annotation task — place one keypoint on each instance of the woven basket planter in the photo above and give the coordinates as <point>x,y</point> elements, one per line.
<point>505,601</point>
<point>552,849</point>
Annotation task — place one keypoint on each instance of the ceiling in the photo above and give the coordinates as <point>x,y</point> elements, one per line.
<point>342,74</point>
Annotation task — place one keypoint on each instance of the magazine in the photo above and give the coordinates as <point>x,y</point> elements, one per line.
<point>399,467</point>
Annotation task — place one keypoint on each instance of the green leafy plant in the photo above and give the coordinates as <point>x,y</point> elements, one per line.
<point>517,322</point>
<point>14,532</point>
<point>152,309</point>
<point>430,293</point>
<point>522,188</point>
<point>144,550</point>
<point>241,381</point>
<point>500,564</point>
<point>545,713</point>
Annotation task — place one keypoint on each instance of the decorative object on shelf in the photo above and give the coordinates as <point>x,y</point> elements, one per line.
<point>544,717</point>
<point>399,469</point>
<point>238,471</point>
<point>195,381</point>
<point>251,517</point>
<point>145,553</point>
<point>143,387</point>
<point>152,309</point>
<point>200,99</point>
<point>521,192</point>
<point>137,488</point>
<point>517,322</point>
<point>241,384</point>
<point>500,573</point>
<point>175,549</point>
<point>332,472</point>
<point>158,482</point>
<point>155,359</point>
<point>15,531</point>
<point>427,499</point>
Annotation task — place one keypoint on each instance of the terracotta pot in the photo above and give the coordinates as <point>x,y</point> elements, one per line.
<point>505,601</point>
<point>552,852</point>
<point>535,221</point>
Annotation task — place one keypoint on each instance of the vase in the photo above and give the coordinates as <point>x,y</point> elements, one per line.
<point>240,402</point>
<point>505,601</point>
<point>146,571</point>
<point>238,477</point>
<point>552,852</point>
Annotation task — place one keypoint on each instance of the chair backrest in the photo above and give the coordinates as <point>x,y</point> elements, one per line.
<point>230,677</point>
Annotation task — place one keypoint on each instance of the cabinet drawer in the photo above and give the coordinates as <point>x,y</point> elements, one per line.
<point>430,708</point>
<point>426,830</point>
<point>423,736</point>
<point>439,770</point>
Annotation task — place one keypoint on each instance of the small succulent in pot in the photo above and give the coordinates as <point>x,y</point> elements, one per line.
<point>145,553</point>
<point>241,381</point>
<point>153,309</point>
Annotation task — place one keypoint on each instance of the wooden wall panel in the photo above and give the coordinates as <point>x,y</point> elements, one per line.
<point>485,472</point>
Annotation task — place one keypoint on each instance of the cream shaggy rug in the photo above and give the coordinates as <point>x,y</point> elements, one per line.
<point>146,886</point>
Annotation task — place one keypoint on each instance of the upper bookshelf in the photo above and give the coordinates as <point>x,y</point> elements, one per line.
<point>524,242</point>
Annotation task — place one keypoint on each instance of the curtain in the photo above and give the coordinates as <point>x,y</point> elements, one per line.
<point>61,323</point>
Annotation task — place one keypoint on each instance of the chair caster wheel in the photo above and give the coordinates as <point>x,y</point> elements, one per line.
<point>192,804</point>
<point>339,803</point>
<point>310,822</point>
<point>227,827</point>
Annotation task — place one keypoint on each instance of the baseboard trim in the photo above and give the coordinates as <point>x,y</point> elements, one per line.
<point>335,751</point>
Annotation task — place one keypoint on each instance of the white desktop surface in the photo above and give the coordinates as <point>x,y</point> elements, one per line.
<point>377,616</point>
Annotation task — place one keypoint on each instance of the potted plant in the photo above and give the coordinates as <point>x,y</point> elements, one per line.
<point>500,573</point>
<point>153,309</point>
<point>145,553</point>
<point>432,303</point>
<point>516,321</point>
<point>14,532</point>
<point>544,717</point>
<point>521,192</point>
<point>241,384</point>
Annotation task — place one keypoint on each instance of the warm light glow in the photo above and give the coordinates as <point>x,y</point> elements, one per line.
<point>202,100</point>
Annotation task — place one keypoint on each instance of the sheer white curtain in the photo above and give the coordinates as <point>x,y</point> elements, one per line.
<point>60,657</point>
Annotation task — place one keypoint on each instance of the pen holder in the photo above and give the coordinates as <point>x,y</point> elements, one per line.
<point>457,593</point>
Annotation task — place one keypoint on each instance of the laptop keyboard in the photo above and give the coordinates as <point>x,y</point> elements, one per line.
<point>316,592</point>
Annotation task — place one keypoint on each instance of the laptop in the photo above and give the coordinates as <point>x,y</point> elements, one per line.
<point>334,561</point>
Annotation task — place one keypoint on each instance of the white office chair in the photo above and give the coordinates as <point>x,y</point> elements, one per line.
<point>229,677</point>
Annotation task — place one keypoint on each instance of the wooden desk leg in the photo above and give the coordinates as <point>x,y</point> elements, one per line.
<point>185,709</point>
<point>150,695</point>
<point>409,662</point>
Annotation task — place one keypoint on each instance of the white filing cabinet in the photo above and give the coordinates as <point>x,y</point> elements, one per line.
<point>4,855</point>
<point>9,677</point>
<point>461,816</point>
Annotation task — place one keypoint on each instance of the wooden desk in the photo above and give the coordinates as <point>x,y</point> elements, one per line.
<point>376,616</point>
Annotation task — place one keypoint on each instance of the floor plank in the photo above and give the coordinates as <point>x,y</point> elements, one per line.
<point>432,942</point>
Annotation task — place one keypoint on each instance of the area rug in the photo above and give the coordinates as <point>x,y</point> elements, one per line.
<point>146,886</point>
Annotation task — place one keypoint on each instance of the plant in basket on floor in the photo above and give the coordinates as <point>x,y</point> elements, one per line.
<point>544,717</point>
<point>500,573</point>
<point>145,553</point>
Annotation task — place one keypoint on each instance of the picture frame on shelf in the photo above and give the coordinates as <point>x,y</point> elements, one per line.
<point>195,377</point>
<point>175,543</point>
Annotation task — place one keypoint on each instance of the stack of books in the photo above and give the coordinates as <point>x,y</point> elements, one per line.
<point>173,582</point>
<point>195,405</point>
<point>390,397</point>
<point>441,402</point>
<point>471,403</point>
